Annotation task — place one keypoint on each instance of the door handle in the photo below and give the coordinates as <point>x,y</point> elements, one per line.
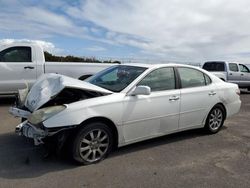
<point>174,98</point>
<point>29,67</point>
<point>242,74</point>
<point>230,73</point>
<point>211,93</point>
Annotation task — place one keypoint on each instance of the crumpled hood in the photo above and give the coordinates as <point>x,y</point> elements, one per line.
<point>49,85</point>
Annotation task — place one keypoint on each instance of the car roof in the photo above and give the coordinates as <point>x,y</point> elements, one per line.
<point>158,65</point>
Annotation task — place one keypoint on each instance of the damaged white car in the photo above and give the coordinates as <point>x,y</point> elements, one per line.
<point>123,104</point>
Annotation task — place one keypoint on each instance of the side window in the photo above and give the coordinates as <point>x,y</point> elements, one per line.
<point>207,79</point>
<point>191,77</point>
<point>243,68</point>
<point>16,54</point>
<point>160,79</point>
<point>233,67</point>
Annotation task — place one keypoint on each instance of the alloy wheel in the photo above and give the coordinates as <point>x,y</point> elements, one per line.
<point>94,145</point>
<point>215,119</point>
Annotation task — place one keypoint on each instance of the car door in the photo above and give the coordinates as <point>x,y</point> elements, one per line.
<point>16,68</point>
<point>198,96</point>
<point>245,76</point>
<point>155,114</point>
<point>234,75</point>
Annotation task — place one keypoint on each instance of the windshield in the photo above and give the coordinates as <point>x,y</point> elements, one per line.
<point>116,78</point>
<point>214,66</point>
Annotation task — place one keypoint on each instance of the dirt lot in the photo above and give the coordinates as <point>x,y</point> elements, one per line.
<point>187,159</point>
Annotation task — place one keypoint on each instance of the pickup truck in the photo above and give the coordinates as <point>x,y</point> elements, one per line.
<point>230,72</point>
<point>22,63</point>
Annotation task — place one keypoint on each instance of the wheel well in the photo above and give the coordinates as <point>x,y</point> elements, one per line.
<point>84,77</point>
<point>108,122</point>
<point>224,108</point>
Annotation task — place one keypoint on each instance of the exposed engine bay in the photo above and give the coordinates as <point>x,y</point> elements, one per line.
<point>70,95</point>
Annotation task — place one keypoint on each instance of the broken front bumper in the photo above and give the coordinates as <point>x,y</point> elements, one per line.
<point>17,112</point>
<point>30,131</point>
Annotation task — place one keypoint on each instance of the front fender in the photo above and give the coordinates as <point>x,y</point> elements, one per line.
<point>75,116</point>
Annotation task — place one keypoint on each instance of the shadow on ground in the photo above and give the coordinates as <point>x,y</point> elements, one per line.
<point>19,158</point>
<point>7,100</point>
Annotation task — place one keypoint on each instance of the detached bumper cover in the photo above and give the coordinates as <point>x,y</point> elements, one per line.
<point>30,131</point>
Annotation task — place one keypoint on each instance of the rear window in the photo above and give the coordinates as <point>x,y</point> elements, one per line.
<point>214,66</point>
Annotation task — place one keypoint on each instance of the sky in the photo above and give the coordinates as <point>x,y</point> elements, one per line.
<point>168,30</point>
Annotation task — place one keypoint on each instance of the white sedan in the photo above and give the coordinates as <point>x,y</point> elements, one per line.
<point>123,104</point>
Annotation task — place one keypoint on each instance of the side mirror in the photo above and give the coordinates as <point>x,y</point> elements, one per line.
<point>141,90</point>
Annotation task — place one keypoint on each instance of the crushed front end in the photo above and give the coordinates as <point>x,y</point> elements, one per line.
<point>37,133</point>
<point>49,96</point>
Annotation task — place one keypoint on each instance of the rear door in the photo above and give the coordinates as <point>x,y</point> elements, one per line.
<point>17,68</point>
<point>234,75</point>
<point>197,97</point>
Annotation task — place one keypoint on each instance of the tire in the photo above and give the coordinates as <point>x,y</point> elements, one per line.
<point>92,143</point>
<point>248,88</point>
<point>215,119</point>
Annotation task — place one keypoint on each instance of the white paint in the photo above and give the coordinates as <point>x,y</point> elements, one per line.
<point>146,116</point>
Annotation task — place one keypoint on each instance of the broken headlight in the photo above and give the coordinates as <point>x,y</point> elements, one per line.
<point>44,113</point>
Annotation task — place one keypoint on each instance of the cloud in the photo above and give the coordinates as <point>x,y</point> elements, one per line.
<point>186,30</point>
<point>96,48</point>
<point>38,21</point>
<point>189,30</point>
<point>42,16</point>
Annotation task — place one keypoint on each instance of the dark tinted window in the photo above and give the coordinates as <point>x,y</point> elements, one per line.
<point>16,54</point>
<point>214,66</point>
<point>243,68</point>
<point>233,67</point>
<point>191,77</point>
<point>160,79</point>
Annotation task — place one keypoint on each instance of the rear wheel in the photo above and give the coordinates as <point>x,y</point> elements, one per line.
<point>93,143</point>
<point>248,88</point>
<point>215,119</point>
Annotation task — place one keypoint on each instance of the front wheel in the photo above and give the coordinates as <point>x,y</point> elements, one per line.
<point>215,119</point>
<point>93,143</point>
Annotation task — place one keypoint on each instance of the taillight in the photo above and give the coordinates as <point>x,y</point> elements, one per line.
<point>238,91</point>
